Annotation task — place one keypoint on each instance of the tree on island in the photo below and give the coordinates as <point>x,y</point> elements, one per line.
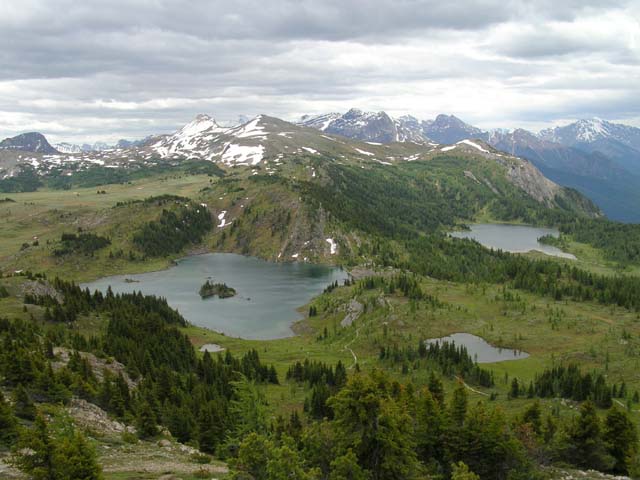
<point>222,290</point>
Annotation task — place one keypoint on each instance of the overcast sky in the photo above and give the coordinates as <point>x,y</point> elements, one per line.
<point>80,70</point>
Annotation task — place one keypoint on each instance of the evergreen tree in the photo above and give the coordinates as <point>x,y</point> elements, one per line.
<point>621,437</point>
<point>8,423</point>
<point>34,452</point>
<point>533,416</point>
<point>460,471</point>
<point>211,426</point>
<point>429,428</point>
<point>247,409</point>
<point>253,454</point>
<point>458,407</point>
<point>585,445</point>
<point>284,463</point>
<point>514,392</point>
<point>22,404</point>
<point>379,430</point>
<point>486,444</point>
<point>146,424</point>
<point>435,387</point>
<point>346,467</point>
<point>319,445</point>
<point>74,458</point>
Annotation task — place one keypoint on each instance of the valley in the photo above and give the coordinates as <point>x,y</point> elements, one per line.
<point>284,231</point>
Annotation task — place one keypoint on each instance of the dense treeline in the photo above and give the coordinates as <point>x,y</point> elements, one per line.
<point>467,261</point>
<point>380,429</point>
<point>324,381</point>
<point>174,230</point>
<point>83,243</point>
<point>78,301</point>
<point>26,180</point>
<point>427,196</point>
<point>450,359</point>
<point>569,382</point>
<point>365,425</point>
<point>406,209</point>
<point>316,373</point>
<point>205,400</point>
<point>619,241</point>
<point>407,285</point>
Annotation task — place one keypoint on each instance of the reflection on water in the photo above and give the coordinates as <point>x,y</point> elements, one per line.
<point>479,349</point>
<point>513,238</point>
<point>268,293</point>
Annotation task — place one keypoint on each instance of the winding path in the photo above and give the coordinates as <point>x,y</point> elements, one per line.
<point>471,388</point>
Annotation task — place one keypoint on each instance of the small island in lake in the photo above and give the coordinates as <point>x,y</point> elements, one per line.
<point>222,290</point>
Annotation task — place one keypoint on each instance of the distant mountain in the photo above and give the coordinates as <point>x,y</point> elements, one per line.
<point>550,154</point>
<point>96,147</point>
<point>377,127</point>
<point>599,158</point>
<point>124,143</point>
<point>450,129</point>
<point>65,147</point>
<point>28,142</point>
<point>618,142</point>
<point>267,145</point>
<point>613,188</point>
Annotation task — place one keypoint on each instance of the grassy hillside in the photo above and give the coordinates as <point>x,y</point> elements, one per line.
<point>388,222</point>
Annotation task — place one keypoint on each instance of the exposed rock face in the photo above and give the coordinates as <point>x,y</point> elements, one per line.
<point>354,310</point>
<point>376,127</point>
<point>450,129</point>
<point>98,365</point>
<point>527,177</point>
<point>91,417</point>
<point>28,142</point>
<point>40,288</point>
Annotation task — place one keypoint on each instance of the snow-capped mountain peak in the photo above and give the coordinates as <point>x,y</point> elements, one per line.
<point>376,127</point>
<point>190,139</point>
<point>65,147</point>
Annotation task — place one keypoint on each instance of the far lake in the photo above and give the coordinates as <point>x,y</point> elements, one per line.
<point>513,238</point>
<point>479,349</point>
<point>268,293</point>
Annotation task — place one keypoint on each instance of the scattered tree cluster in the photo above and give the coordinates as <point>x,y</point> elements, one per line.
<point>174,230</point>
<point>83,243</point>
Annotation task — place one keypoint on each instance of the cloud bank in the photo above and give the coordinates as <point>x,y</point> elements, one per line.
<point>103,70</point>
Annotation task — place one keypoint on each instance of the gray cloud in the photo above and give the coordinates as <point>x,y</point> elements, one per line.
<point>79,70</point>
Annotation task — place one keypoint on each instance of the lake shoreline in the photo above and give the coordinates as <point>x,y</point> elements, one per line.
<point>513,238</point>
<point>271,296</point>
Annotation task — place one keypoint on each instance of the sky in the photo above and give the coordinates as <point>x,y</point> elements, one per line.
<point>89,70</point>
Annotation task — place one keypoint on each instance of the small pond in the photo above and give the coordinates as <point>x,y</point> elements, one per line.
<point>268,293</point>
<point>479,349</point>
<point>513,238</point>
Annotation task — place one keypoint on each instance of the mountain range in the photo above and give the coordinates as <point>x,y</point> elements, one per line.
<point>600,159</point>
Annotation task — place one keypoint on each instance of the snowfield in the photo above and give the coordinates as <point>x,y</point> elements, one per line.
<point>333,246</point>
<point>472,144</point>
<point>242,155</point>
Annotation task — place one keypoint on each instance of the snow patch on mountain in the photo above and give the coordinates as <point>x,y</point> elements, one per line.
<point>474,145</point>
<point>364,152</point>
<point>333,246</point>
<point>235,154</point>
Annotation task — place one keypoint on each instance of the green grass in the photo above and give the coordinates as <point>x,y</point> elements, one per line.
<point>586,333</point>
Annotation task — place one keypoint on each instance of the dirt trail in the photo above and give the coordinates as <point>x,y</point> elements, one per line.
<point>471,388</point>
